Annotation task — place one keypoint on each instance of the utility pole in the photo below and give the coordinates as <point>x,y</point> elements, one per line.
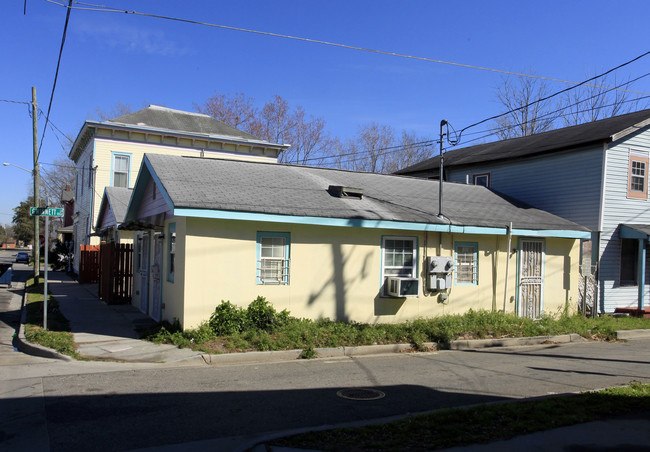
<point>442,124</point>
<point>37,240</point>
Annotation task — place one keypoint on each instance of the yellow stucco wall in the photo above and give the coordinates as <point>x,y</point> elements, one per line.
<point>336,272</point>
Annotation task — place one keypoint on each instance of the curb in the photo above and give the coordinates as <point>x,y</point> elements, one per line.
<point>21,343</point>
<point>366,350</point>
<point>515,341</point>
<point>632,334</point>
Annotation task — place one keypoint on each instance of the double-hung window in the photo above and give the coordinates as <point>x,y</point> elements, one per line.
<point>273,258</point>
<point>466,270</point>
<point>638,175</point>
<point>399,258</point>
<point>121,170</point>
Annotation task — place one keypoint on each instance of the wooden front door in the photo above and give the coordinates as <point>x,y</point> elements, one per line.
<point>531,278</point>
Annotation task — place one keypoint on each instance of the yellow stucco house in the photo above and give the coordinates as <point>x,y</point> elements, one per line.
<point>345,245</point>
<point>109,153</point>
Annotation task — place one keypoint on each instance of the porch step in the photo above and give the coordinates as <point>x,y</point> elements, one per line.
<point>634,312</point>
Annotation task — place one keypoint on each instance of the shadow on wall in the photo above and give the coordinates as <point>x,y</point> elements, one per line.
<point>388,306</point>
<point>341,280</point>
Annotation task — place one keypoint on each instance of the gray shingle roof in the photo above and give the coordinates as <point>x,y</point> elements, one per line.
<point>302,191</point>
<point>164,118</point>
<point>551,141</point>
<point>118,198</point>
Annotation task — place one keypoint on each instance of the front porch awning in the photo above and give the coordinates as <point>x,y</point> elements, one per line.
<point>635,231</point>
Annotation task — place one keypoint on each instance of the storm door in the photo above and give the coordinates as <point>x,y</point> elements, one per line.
<point>531,278</point>
<point>156,270</point>
<point>144,274</point>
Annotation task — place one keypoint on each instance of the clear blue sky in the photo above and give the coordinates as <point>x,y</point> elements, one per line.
<point>110,58</point>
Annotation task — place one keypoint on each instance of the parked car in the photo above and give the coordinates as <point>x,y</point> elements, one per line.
<point>22,256</point>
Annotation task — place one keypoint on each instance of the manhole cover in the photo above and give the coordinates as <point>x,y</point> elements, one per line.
<point>360,394</point>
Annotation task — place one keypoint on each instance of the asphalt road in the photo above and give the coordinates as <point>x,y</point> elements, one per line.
<point>154,407</point>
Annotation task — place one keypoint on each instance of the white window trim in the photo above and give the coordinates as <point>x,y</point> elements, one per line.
<point>457,265</point>
<point>414,268</point>
<point>286,268</point>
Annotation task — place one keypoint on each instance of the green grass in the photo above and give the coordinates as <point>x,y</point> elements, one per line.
<point>480,424</point>
<point>230,330</point>
<point>57,336</point>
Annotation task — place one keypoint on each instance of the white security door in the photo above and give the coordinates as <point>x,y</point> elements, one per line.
<point>144,273</point>
<point>531,278</point>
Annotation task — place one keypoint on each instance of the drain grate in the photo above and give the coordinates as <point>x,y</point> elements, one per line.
<point>360,394</point>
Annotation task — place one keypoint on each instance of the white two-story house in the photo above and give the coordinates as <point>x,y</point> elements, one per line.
<point>594,174</point>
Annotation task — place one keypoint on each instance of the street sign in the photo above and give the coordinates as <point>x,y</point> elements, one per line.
<point>46,211</point>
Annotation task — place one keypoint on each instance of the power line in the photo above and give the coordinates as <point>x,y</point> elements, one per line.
<point>56,76</point>
<point>102,8</point>
<point>15,102</point>
<point>494,131</point>
<point>554,94</point>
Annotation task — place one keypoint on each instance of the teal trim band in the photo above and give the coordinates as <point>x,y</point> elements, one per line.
<point>627,232</point>
<point>371,224</point>
<point>557,233</point>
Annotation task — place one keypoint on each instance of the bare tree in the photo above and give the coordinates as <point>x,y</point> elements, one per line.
<point>55,177</point>
<point>368,150</point>
<point>526,115</point>
<point>119,109</point>
<point>236,110</point>
<point>410,149</point>
<point>308,138</point>
<point>276,121</point>
<point>602,98</point>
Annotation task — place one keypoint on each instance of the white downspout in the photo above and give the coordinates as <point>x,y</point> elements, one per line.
<point>505,293</point>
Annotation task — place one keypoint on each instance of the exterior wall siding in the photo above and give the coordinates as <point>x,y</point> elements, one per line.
<point>108,219</point>
<point>150,206</point>
<point>173,292</point>
<point>618,208</point>
<point>336,273</point>
<point>84,194</point>
<point>566,184</point>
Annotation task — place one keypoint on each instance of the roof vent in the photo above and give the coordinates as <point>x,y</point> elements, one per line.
<point>340,191</point>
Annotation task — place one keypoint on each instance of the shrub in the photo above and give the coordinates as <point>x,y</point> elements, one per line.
<point>227,319</point>
<point>262,315</point>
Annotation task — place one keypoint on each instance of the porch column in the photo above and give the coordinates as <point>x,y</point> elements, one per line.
<point>641,267</point>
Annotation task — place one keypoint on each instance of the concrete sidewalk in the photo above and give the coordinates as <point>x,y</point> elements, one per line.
<point>106,332</point>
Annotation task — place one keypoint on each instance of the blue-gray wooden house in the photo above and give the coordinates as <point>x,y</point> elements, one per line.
<point>594,174</point>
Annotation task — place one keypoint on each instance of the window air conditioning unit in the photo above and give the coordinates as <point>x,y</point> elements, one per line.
<point>402,287</point>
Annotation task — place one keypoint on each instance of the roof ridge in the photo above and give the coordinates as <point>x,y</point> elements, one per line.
<point>162,108</point>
